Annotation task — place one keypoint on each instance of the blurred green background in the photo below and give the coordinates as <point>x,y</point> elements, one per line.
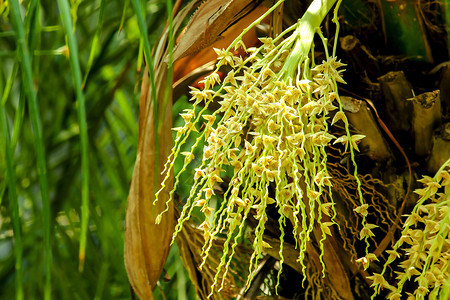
<point>74,127</point>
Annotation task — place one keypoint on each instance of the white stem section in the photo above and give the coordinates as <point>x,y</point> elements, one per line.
<point>304,34</point>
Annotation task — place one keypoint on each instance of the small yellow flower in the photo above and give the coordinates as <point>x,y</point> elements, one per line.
<point>413,219</point>
<point>224,57</point>
<point>326,227</point>
<point>207,211</point>
<point>198,173</point>
<point>187,116</point>
<point>239,202</point>
<point>237,141</point>
<point>212,79</point>
<point>265,244</point>
<point>322,178</point>
<point>180,131</point>
<point>367,231</point>
<point>270,175</point>
<point>237,165</point>
<point>200,202</point>
<point>207,153</point>
<point>209,118</point>
<point>213,179</point>
<point>322,138</point>
<point>268,140</point>
<point>355,140</point>
<point>313,194</point>
<point>238,61</point>
<point>249,149</point>
<point>235,191</point>
<point>208,193</point>
<point>378,282</point>
<point>362,210</point>
<point>272,126</point>
<point>340,115</point>
<point>295,139</point>
<point>188,157</point>
<point>268,73</point>
<point>326,208</point>
<point>198,95</point>
<point>158,219</point>
<point>231,153</point>
<point>309,107</point>
<point>257,169</point>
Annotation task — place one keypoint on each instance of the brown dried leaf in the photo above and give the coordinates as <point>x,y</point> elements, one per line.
<point>211,19</point>
<point>190,69</point>
<point>146,243</point>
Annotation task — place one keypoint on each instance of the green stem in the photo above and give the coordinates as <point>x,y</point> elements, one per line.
<point>256,22</point>
<point>76,74</point>
<point>336,21</point>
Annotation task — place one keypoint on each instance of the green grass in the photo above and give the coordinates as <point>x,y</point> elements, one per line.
<point>68,138</point>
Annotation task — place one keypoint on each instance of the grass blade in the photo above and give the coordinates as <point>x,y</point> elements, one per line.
<point>76,74</point>
<point>124,13</point>
<point>9,84</point>
<point>25,60</point>
<point>95,41</point>
<point>14,200</point>
<point>148,58</point>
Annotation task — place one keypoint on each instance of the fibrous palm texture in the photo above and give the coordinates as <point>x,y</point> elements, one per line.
<point>271,129</point>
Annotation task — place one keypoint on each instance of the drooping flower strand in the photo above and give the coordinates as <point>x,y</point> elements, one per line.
<point>352,140</point>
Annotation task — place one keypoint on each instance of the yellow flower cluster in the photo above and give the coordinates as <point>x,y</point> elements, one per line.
<point>424,247</point>
<point>272,131</point>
